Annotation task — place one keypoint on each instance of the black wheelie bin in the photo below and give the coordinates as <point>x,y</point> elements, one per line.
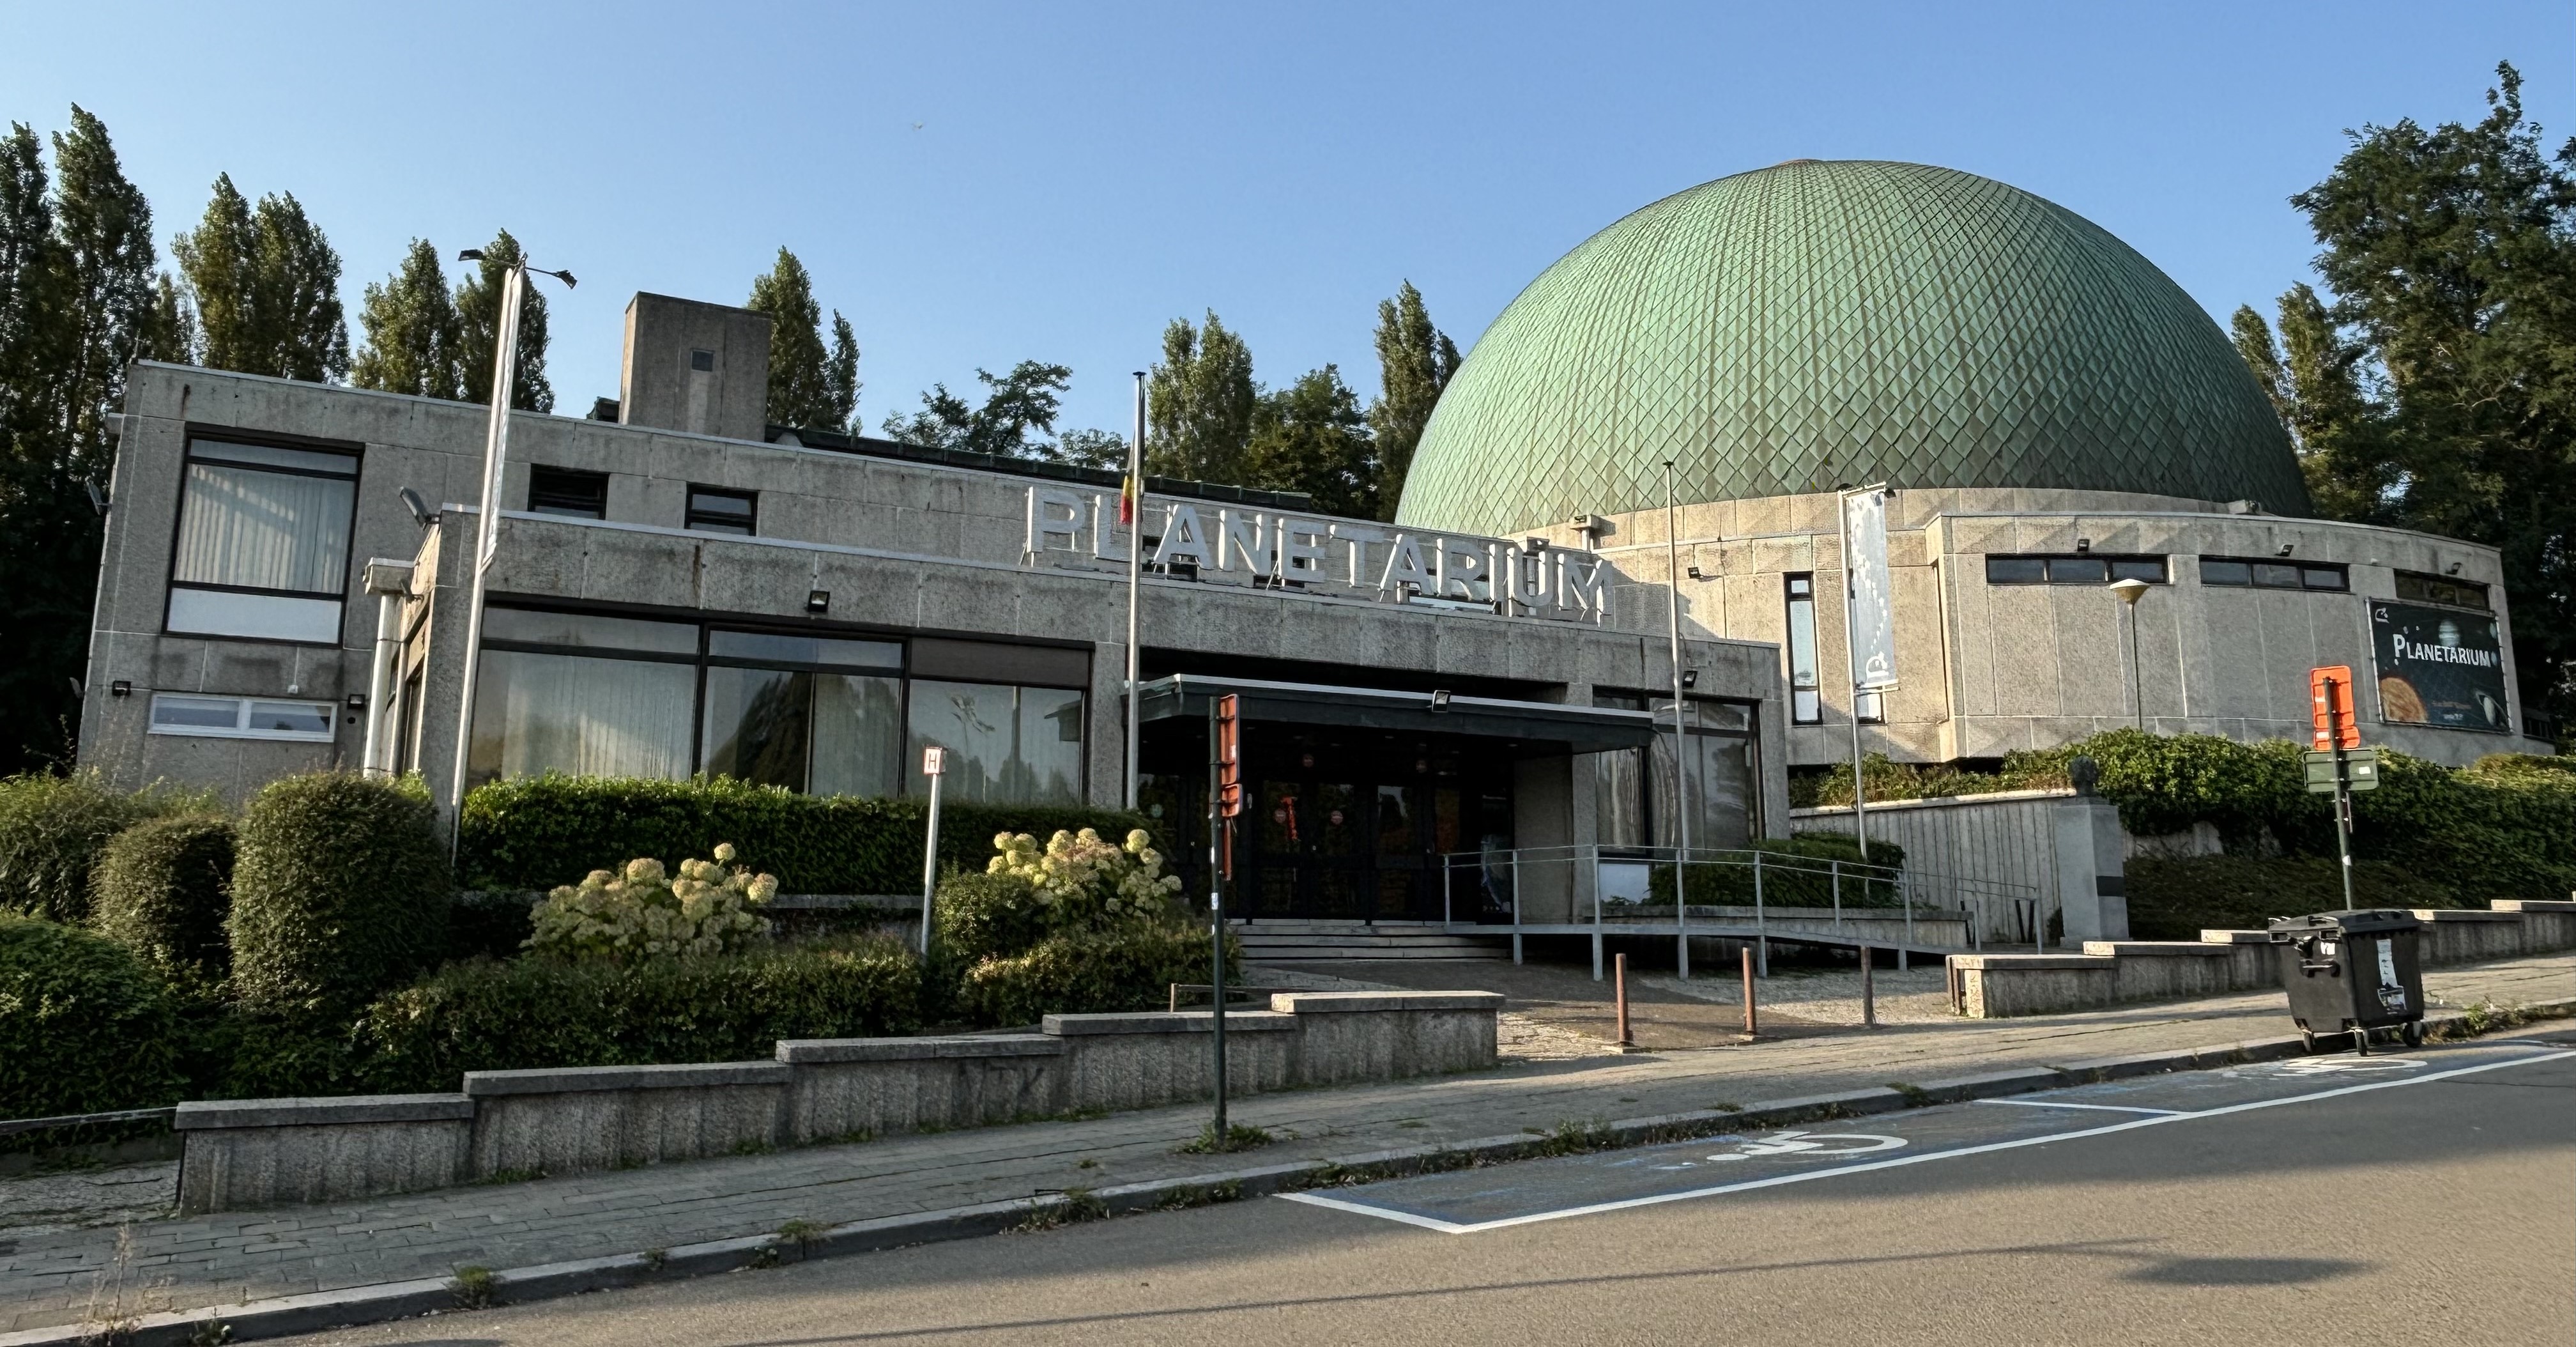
<point>2352,972</point>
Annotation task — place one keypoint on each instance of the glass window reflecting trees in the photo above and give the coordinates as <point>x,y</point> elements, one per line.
<point>1806,686</point>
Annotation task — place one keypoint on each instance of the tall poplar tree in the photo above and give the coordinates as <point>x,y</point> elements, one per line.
<point>1415,362</point>
<point>267,288</point>
<point>415,340</point>
<point>809,386</point>
<point>1200,401</point>
<point>478,316</point>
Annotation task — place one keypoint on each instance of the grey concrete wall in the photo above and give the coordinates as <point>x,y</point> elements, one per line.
<point>1992,669</point>
<point>260,1152</point>
<point>249,1153</point>
<point>2009,838</point>
<point>658,385</point>
<point>2124,972</point>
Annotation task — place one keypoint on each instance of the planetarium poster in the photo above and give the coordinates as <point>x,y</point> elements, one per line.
<point>2439,666</point>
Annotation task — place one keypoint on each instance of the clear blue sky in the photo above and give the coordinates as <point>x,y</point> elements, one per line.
<point>979,184</point>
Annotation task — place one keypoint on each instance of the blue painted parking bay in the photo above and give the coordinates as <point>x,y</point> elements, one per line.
<point>1502,1196</point>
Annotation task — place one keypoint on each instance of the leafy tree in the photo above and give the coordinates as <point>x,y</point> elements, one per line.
<point>1200,404</point>
<point>2440,385</point>
<point>1312,437</point>
<point>808,385</point>
<point>1015,404</point>
<point>1090,449</point>
<point>414,336</point>
<point>1415,362</point>
<point>267,288</point>
<point>478,315</point>
<point>2316,389</point>
<point>78,301</point>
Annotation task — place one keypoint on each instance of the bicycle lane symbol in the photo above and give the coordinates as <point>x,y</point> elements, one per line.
<point>1795,1144</point>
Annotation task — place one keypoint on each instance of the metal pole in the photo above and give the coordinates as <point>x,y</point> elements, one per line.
<point>1135,583</point>
<point>1837,867</point>
<point>1620,992</point>
<point>1905,898</point>
<point>380,684</point>
<point>1851,663</point>
<point>1216,922</point>
<point>496,455</point>
<point>1761,932</point>
<point>1516,907</point>
<point>1868,993</point>
<point>2343,792</point>
<point>2137,676</point>
<point>930,858</point>
<point>1749,1030</point>
<point>1681,743</point>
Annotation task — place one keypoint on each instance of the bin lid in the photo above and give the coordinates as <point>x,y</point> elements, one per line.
<point>2352,921</point>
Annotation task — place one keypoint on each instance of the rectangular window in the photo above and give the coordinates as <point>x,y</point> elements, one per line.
<point>717,510</point>
<point>1806,683</point>
<point>2260,573</point>
<point>2076,568</point>
<point>818,726</point>
<point>1724,774</point>
<point>240,718</point>
<point>263,544</point>
<point>562,491</point>
<point>1007,745</point>
<point>2415,587</point>
<point>582,716</point>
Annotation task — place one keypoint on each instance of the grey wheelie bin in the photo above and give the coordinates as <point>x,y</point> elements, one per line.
<point>2352,972</point>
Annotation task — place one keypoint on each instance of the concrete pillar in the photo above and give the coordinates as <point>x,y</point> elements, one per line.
<point>2091,889</point>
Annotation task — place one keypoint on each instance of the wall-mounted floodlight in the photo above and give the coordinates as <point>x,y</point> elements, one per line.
<point>2454,570</point>
<point>818,601</point>
<point>1695,574</point>
<point>2285,549</point>
<point>1440,700</point>
<point>2083,544</point>
<point>1690,679</point>
<point>421,514</point>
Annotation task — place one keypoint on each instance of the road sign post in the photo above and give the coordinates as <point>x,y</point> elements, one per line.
<point>2346,765</point>
<point>1225,804</point>
<point>934,764</point>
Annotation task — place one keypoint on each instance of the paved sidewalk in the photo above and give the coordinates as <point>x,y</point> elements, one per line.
<point>97,1274</point>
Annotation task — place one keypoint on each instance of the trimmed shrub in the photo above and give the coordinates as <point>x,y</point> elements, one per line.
<point>977,915</point>
<point>84,1026</point>
<point>2177,899</point>
<point>162,889</point>
<point>638,910</point>
<point>52,829</point>
<point>539,832</point>
<point>536,1012</point>
<point>339,894</point>
<point>1088,972</point>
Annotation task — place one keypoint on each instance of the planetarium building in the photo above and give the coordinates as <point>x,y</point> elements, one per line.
<point>678,587</point>
<point>2050,415</point>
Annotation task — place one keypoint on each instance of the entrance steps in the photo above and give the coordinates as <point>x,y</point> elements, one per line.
<point>1301,941</point>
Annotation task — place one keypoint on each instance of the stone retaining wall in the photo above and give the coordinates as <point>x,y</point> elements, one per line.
<point>260,1152</point>
<point>2119,972</point>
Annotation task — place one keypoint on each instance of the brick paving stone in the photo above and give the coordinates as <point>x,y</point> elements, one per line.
<point>50,1277</point>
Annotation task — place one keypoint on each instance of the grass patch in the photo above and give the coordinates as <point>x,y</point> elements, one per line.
<point>1573,1137</point>
<point>1915,1095</point>
<point>472,1287</point>
<point>801,1233</point>
<point>1238,1137</point>
<point>1070,1207</point>
<point>1189,1195</point>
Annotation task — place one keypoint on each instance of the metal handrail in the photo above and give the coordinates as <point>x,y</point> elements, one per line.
<point>11,1126</point>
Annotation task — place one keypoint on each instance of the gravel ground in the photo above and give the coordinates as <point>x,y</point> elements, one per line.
<point>1828,996</point>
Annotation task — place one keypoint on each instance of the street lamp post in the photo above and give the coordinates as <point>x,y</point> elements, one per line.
<point>2130,591</point>
<point>487,519</point>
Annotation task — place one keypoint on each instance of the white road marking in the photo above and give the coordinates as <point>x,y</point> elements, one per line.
<point>2101,1108</point>
<point>1778,1180</point>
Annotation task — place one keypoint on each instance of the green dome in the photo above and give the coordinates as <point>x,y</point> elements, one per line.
<point>1835,323</point>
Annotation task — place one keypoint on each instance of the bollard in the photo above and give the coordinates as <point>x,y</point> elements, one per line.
<point>1868,993</point>
<point>1748,993</point>
<point>1619,963</point>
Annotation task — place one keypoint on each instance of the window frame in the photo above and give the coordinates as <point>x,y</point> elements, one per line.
<point>241,729</point>
<point>189,458</point>
<point>536,471</point>
<point>2110,562</point>
<point>697,520</point>
<point>2340,571</point>
<point>1792,599</point>
<point>2420,579</point>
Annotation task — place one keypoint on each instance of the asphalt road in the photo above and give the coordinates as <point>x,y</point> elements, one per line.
<point>2282,1205</point>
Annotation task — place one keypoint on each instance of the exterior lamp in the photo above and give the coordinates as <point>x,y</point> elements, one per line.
<point>2130,591</point>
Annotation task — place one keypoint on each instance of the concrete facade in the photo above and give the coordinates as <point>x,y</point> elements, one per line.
<point>902,547</point>
<point>1989,669</point>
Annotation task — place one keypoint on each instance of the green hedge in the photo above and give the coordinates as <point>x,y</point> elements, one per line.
<point>52,829</point>
<point>1088,972</point>
<point>2178,899</point>
<point>538,832</point>
<point>340,891</point>
<point>1803,880</point>
<point>530,1012</point>
<point>162,889</point>
<point>84,1026</point>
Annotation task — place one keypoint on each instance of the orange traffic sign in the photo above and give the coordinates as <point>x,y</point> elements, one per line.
<point>2330,707</point>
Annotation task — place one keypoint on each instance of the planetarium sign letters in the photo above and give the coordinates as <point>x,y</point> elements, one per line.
<point>1327,557</point>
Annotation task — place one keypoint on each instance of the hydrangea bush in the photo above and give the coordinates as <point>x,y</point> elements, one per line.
<point>1081,875</point>
<point>640,910</point>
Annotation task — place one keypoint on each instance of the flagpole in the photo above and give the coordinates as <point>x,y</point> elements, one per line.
<point>1131,504</point>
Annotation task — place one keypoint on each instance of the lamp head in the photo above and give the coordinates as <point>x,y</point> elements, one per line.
<point>2129,590</point>
<point>470,255</point>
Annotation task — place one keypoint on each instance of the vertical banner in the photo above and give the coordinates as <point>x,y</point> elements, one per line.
<point>1871,614</point>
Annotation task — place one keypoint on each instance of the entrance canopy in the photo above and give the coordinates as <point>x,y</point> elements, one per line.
<point>1543,726</point>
